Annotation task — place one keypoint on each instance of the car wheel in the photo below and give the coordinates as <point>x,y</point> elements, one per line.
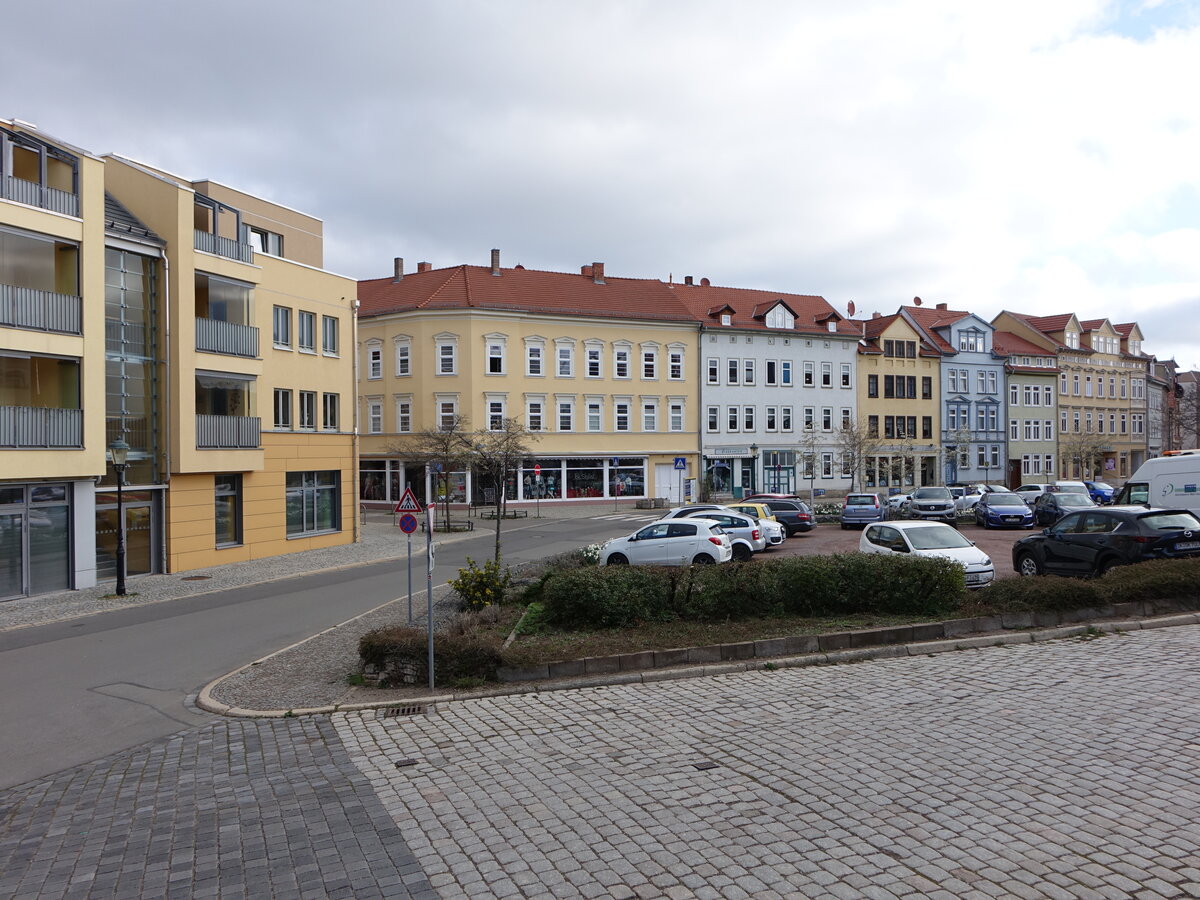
<point>1108,565</point>
<point>702,559</point>
<point>618,559</point>
<point>741,552</point>
<point>1027,565</point>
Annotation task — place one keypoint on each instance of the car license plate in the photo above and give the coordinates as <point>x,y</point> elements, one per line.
<point>977,577</point>
<point>1188,545</point>
<point>1012,518</point>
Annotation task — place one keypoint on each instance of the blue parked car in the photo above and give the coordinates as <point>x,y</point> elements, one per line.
<point>1100,492</point>
<point>1003,509</point>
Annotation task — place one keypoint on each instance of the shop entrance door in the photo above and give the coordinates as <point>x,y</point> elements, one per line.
<point>35,540</point>
<point>141,533</point>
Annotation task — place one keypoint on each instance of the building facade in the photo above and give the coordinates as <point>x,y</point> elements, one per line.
<point>1031,411</point>
<point>137,298</point>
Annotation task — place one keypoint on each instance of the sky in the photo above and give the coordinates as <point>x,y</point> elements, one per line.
<point>1031,156</point>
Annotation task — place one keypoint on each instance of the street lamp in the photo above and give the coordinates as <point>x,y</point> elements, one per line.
<point>754,468</point>
<point>118,451</point>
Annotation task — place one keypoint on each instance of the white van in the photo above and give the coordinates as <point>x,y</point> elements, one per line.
<point>1172,482</point>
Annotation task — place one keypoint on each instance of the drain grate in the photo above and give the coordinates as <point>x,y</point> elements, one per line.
<point>704,766</point>
<point>196,577</point>
<point>396,712</point>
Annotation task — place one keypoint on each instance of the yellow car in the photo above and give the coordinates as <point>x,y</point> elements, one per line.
<point>758,510</point>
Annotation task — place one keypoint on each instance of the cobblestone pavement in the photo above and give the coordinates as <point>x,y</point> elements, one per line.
<point>1060,769</point>
<point>262,808</point>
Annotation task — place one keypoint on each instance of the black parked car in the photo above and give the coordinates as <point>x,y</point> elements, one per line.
<point>791,513</point>
<point>1050,507</point>
<point>1092,541</point>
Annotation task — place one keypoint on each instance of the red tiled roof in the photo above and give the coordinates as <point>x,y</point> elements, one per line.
<point>1008,343</point>
<point>1092,324</point>
<point>1047,324</point>
<point>873,328</point>
<point>811,311</point>
<point>526,290</point>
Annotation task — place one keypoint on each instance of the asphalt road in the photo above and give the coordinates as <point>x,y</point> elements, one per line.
<point>75,691</point>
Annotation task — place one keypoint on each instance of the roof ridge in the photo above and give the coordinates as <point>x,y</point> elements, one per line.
<point>449,277</point>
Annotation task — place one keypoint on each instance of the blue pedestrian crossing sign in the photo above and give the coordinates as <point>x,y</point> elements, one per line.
<point>680,464</point>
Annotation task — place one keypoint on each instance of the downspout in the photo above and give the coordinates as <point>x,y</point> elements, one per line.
<point>354,436</point>
<point>168,430</point>
<point>701,470</point>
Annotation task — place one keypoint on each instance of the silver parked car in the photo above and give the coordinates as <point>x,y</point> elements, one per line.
<point>859,509</point>
<point>935,503</point>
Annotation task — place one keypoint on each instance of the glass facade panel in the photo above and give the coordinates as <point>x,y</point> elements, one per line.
<point>312,500</point>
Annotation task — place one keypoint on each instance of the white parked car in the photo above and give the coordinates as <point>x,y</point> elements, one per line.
<point>929,539</point>
<point>1030,491</point>
<point>896,501</point>
<point>745,532</point>
<point>670,542</point>
<point>971,495</point>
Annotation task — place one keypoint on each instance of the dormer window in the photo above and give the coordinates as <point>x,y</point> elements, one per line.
<point>779,317</point>
<point>726,319</point>
<point>1073,339</point>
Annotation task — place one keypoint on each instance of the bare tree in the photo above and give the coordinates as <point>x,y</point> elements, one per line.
<point>810,452</point>
<point>497,453</point>
<point>856,442</point>
<point>444,449</point>
<point>1084,448</point>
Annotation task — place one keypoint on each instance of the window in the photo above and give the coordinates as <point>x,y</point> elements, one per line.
<point>306,331</point>
<point>733,419</point>
<point>771,373</point>
<point>621,361</point>
<point>748,371</point>
<point>228,493</point>
<point>971,341</point>
<point>264,241</point>
<point>826,465</point>
<point>534,410</point>
<point>374,361</point>
<point>283,408</point>
<point>404,415</point>
<point>675,365</point>
<point>1137,423</point>
<point>809,377</point>
<point>621,415</point>
<point>952,418</point>
<point>447,357</point>
<point>313,505</point>
<point>873,426</point>
<point>1100,386</point>
<point>772,418</point>
<point>926,387</point>
<point>810,417</point>
<point>1087,385</point>
<point>594,361</point>
<point>826,374</point>
<point>565,360</point>
<point>595,415</point>
<point>714,418</point>
<point>827,418</point>
<point>847,416</point>
<point>1073,339</point>
<point>992,382</point>
<point>714,371</point>
<point>873,385</point>
<point>495,357</point>
<point>748,418</point>
<point>566,415</point>
<point>533,359</point>
<point>329,411</point>
<point>649,364</point>
<point>1013,430</point>
<point>785,373</point>
<point>374,417</point>
<point>785,418</point>
<point>1137,389</point>
<point>447,408</point>
<point>403,358</point>
<point>846,375</point>
<point>281,327</point>
<point>1047,395</point>
<point>308,410</point>
<point>1075,385</point>
<point>1048,429</point>
<point>649,415</point>
<point>779,318</point>
<point>676,412</point>
<point>733,371</point>
<point>1062,384</point>
<point>329,335</point>
<point>1014,395</point>
<point>497,412</point>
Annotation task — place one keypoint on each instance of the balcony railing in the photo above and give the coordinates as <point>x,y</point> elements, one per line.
<point>22,191</point>
<point>223,246</point>
<point>40,310</point>
<point>230,338</point>
<point>228,432</point>
<point>38,427</point>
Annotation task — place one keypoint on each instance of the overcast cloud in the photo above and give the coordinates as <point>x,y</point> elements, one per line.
<point>1039,157</point>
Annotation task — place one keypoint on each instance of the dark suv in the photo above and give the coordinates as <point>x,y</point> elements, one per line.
<point>1092,541</point>
<point>791,513</point>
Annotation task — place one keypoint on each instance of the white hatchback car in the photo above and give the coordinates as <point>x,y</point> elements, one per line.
<point>929,539</point>
<point>670,542</point>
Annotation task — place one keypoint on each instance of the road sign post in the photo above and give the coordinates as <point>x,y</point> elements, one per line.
<point>408,524</point>
<point>429,585</point>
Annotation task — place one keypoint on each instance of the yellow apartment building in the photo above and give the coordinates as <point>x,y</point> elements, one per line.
<point>601,370</point>
<point>898,402</point>
<point>1101,391</point>
<point>239,448</point>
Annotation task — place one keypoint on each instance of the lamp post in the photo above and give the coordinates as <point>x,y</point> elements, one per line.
<point>118,450</point>
<point>754,468</point>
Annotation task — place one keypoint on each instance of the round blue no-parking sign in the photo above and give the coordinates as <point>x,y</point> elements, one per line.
<point>408,523</point>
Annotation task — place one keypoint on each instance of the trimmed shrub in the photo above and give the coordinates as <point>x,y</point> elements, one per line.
<point>400,654</point>
<point>481,587</point>
<point>1157,579</point>
<point>1040,593</point>
<point>609,597</point>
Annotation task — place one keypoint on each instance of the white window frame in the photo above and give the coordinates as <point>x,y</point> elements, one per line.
<point>648,362</point>
<point>404,411</point>
<point>649,414</point>
<point>676,414</point>
<point>442,344</point>
<point>331,404</point>
<point>594,413</point>
<point>714,370</point>
<point>622,360</point>
<point>497,405</point>
<point>675,363</point>
<point>564,359</point>
<point>495,347</point>
<point>330,335</point>
<point>306,410</point>
<point>374,360</point>
<point>403,348</point>
<point>564,406</point>
<point>622,414</point>
<point>535,419</point>
<point>374,415</point>
<point>714,419</point>
<point>447,410</point>
<point>281,327</point>
<point>535,358</point>
<point>593,359</point>
<point>306,331</point>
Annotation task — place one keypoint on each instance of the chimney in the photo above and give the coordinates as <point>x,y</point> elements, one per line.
<point>585,271</point>
<point>398,264</point>
<point>424,266</point>
<point>598,272</point>
<point>942,306</point>
<point>876,315</point>
<point>704,282</point>
<point>495,262</point>
<point>687,279</point>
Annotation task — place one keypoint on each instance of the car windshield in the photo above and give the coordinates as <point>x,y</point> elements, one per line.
<point>936,537</point>
<point>931,493</point>
<point>1072,488</point>
<point>1171,522</point>
<point>1068,498</point>
<point>1003,498</point>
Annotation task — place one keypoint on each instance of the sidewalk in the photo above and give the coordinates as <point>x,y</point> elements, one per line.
<point>379,540</point>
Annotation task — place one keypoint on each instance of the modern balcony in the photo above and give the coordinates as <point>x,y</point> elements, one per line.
<point>35,427</point>
<point>229,338</point>
<point>34,194</point>
<point>223,246</point>
<point>35,310</point>
<point>228,432</point>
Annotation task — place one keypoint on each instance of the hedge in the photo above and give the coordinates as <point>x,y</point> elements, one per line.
<point>401,655</point>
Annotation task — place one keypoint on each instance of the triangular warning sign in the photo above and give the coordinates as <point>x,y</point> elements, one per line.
<point>408,503</point>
